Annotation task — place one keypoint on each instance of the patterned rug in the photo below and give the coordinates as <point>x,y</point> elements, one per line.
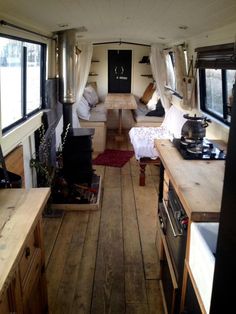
<point>113,158</point>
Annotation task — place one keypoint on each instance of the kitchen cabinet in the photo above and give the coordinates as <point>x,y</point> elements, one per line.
<point>197,189</point>
<point>22,266</point>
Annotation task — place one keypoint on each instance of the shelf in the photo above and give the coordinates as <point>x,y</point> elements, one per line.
<point>93,74</point>
<point>147,75</point>
<point>95,61</point>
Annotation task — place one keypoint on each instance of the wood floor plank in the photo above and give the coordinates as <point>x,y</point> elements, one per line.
<point>51,227</point>
<point>58,257</point>
<point>140,308</point>
<point>135,289</point>
<point>132,245</point>
<point>101,260</point>
<point>112,177</point>
<point>108,294</point>
<point>154,297</point>
<point>84,285</point>
<point>69,277</point>
<point>146,204</point>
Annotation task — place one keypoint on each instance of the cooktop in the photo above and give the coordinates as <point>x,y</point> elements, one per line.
<point>203,149</point>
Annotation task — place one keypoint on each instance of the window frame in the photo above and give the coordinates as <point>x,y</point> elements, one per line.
<point>219,57</point>
<point>202,93</point>
<point>26,116</point>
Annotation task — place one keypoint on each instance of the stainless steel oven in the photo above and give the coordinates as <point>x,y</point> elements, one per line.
<point>174,223</point>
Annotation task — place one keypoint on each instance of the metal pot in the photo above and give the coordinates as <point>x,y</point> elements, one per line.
<point>195,127</point>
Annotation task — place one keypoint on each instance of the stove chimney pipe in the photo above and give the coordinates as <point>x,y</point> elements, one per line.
<point>67,77</point>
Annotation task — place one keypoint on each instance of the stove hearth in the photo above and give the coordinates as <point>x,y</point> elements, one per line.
<point>201,149</point>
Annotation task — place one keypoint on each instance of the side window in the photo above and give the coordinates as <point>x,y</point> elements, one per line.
<point>217,74</point>
<point>22,65</point>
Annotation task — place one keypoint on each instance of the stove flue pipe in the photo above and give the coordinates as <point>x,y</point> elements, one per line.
<point>67,64</point>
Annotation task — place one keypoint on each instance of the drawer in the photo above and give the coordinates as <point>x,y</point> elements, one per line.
<point>32,273</point>
<point>27,255</point>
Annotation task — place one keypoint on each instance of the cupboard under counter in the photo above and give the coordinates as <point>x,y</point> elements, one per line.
<point>22,269</point>
<point>199,185</point>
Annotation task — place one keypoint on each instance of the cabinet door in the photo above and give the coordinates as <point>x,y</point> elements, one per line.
<point>34,299</point>
<point>5,307</point>
<point>33,302</point>
<point>10,301</point>
<point>119,71</point>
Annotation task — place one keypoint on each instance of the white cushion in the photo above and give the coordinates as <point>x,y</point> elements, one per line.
<point>153,101</point>
<point>91,95</point>
<point>83,109</point>
<point>174,121</point>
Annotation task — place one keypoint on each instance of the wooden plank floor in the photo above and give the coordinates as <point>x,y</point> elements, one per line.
<point>106,261</point>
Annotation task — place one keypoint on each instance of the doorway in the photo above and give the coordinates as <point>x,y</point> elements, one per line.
<point>119,71</point>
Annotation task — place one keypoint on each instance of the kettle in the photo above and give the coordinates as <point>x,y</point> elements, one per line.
<point>195,127</point>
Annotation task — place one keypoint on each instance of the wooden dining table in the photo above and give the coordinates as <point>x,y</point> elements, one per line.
<point>120,101</point>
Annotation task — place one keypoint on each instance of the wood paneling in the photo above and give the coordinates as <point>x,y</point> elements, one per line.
<point>15,163</point>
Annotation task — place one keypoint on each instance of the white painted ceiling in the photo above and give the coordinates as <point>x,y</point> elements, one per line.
<point>145,21</point>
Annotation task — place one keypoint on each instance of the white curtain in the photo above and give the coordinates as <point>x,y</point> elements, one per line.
<point>170,73</point>
<point>83,67</point>
<point>180,69</point>
<point>159,73</point>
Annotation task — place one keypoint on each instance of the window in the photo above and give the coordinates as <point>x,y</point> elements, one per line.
<point>22,65</point>
<point>217,74</point>
<point>176,68</point>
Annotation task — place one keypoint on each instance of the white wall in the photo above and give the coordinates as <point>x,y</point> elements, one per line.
<point>138,84</point>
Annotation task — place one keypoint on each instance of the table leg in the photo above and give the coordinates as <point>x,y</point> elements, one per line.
<point>120,121</point>
<point>120,137</point>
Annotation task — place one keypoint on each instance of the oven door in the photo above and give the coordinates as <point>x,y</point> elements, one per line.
<point>176,241</point>
<point>169,286</point>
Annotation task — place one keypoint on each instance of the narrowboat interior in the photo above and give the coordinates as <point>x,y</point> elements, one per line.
<point>117,151</point>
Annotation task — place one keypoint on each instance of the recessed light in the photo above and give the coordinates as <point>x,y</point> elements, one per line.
<point>63,25</point>
<point>184,27</point>
<point>162,38</point>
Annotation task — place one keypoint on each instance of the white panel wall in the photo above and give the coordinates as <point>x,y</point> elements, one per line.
<point>138,84</point>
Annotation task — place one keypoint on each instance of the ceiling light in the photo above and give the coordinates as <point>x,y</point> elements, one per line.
<point>184,27</point>
<point>162,38</point>
<point>63,25</point>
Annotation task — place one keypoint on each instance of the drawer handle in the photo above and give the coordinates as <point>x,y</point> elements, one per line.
<point>27,252</point>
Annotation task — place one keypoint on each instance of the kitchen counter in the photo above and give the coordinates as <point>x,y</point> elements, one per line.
<point>198,183</point>
<point>20,211</point>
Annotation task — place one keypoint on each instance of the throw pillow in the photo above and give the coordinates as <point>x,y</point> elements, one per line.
<point>153,101</point>
<point>91,95</point>
<point>147,94</point>
<point>158,112</point>
<point>83,109</point>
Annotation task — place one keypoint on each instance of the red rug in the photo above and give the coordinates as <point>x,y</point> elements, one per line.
<point>113,158</point>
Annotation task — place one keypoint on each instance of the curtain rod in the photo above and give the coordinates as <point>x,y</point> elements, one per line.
<point>4,23</point>
<point>169,48</point>
<point>120,42</point>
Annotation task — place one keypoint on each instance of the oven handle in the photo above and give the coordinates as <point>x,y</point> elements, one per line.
<point>168,215</point>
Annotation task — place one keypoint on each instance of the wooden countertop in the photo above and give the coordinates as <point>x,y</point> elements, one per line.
<point>20,210</point>
<point>198,183</point>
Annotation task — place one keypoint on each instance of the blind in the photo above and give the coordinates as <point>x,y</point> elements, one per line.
<point>216,57</point>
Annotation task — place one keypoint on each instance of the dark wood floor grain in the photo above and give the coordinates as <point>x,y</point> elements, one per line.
<point>106,261</point>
